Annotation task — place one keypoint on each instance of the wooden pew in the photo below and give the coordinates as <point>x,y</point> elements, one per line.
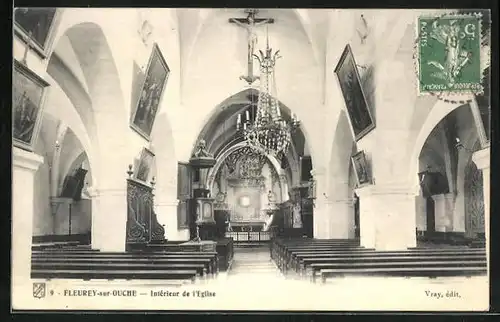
<point>73,262</point>
<point>201,270</point>
<point>209,263</point>
<point>280,247</point>
<point>439,271</point>
<point>376,258</point>
<point>382,263</point>
<point>116,274</point>
<point>297,259</point>
<point>337,257</point>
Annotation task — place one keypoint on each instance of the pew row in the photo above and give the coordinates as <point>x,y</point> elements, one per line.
<point>337,258</point>
<point>89,264</point>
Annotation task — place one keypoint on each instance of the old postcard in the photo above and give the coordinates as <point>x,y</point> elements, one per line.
<point>251,159</point>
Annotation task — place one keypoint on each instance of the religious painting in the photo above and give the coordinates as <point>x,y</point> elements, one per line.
<point>144,165</point>
<point>357,107</point>
<point>361,170</point>
<point>28,93</point>
<point>152,89</point>
<point>37,24</point>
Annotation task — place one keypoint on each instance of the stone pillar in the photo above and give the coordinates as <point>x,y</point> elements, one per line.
<point>25,164</point>
<point>341,219</point>
<point>421,213</point>
<point>444,205</point>
<point>387,217</point>
<point>482,160</point>
<point>61,211</point>
<point>109,219</point>
<point>166,213</point>
<point>284,187</point>
<point>321,213</point>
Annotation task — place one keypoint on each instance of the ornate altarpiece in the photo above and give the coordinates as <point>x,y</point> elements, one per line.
<point>243,190</point>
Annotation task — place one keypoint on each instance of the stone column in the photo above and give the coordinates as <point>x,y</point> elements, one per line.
<point>109,219</point>
<point>482,160</point>
<point>321,214</point>
<point>60,211</point>
<point>166,213</point>
<point>94,238</point>
<point>387,217</point>
<point>444,205</point>
<point>341,219</point>
<point>421,213</point>
<point>25,164</point>
<point>284,187</point>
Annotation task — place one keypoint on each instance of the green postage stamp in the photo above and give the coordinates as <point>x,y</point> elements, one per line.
<point>449,54</point>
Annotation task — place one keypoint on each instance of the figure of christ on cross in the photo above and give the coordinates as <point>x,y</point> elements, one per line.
<point>250,23</point>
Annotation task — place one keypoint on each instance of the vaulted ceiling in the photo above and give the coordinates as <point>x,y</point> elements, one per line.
<point>220,130</point>
<point>313,23</point>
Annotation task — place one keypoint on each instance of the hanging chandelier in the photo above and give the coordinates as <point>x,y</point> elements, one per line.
<point>267,131</point>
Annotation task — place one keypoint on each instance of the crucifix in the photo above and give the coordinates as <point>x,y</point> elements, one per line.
<point>250,23</point>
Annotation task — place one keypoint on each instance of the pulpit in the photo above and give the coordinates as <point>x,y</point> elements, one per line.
<point>205,211</point>
<point>202,160</point>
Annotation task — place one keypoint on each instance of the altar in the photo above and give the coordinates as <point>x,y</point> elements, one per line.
<point>242,226</point>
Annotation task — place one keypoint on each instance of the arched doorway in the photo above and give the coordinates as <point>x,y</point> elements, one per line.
<point>451,201</point>
<point>248,184</point>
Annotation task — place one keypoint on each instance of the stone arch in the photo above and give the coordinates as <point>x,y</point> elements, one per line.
<point>437,113</point>
<point>211,119</point>
<point>300,14</point>
<point>220,161</point>
<point>163,147</point>
<point>59,106</point>
<point>103,108</point>
<point>340,168</point>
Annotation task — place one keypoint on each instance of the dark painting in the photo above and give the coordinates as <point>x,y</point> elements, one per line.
<point>144,166</point>
<point>28,91</point>
<point>361,168</point>
<point>151,94</point>
<point>38,22</point>
<point>357,107</point>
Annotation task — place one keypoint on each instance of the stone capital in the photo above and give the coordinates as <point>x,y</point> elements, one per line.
<point>482,158</point>
<point>167,203</point>
<point>388,189</point>
<point>61,200</point>
<point>26,160</point>
<point>108,192</point>
<point>444,196</point>
<point>348,201</point>
<point>92,191</point>
<point>318,171</point>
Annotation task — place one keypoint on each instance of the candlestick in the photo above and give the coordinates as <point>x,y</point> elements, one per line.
<point>247,115</point>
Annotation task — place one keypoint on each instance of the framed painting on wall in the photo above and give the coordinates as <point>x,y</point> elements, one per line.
<point>361,169</point>
<point>144,165</point>
<point>38,24</point>
<point>151,92</point>
<point>28,94</point>
<point>357,107</point>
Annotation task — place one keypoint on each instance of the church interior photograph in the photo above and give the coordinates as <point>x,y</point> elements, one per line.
<point>198,146</point>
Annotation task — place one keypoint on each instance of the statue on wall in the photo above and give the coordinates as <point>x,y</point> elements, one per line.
<point>297,217</point>
<point>202,152</point>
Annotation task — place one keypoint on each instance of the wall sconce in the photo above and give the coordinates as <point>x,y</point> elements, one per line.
<point>57,145</point>
<point>130,172</point>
